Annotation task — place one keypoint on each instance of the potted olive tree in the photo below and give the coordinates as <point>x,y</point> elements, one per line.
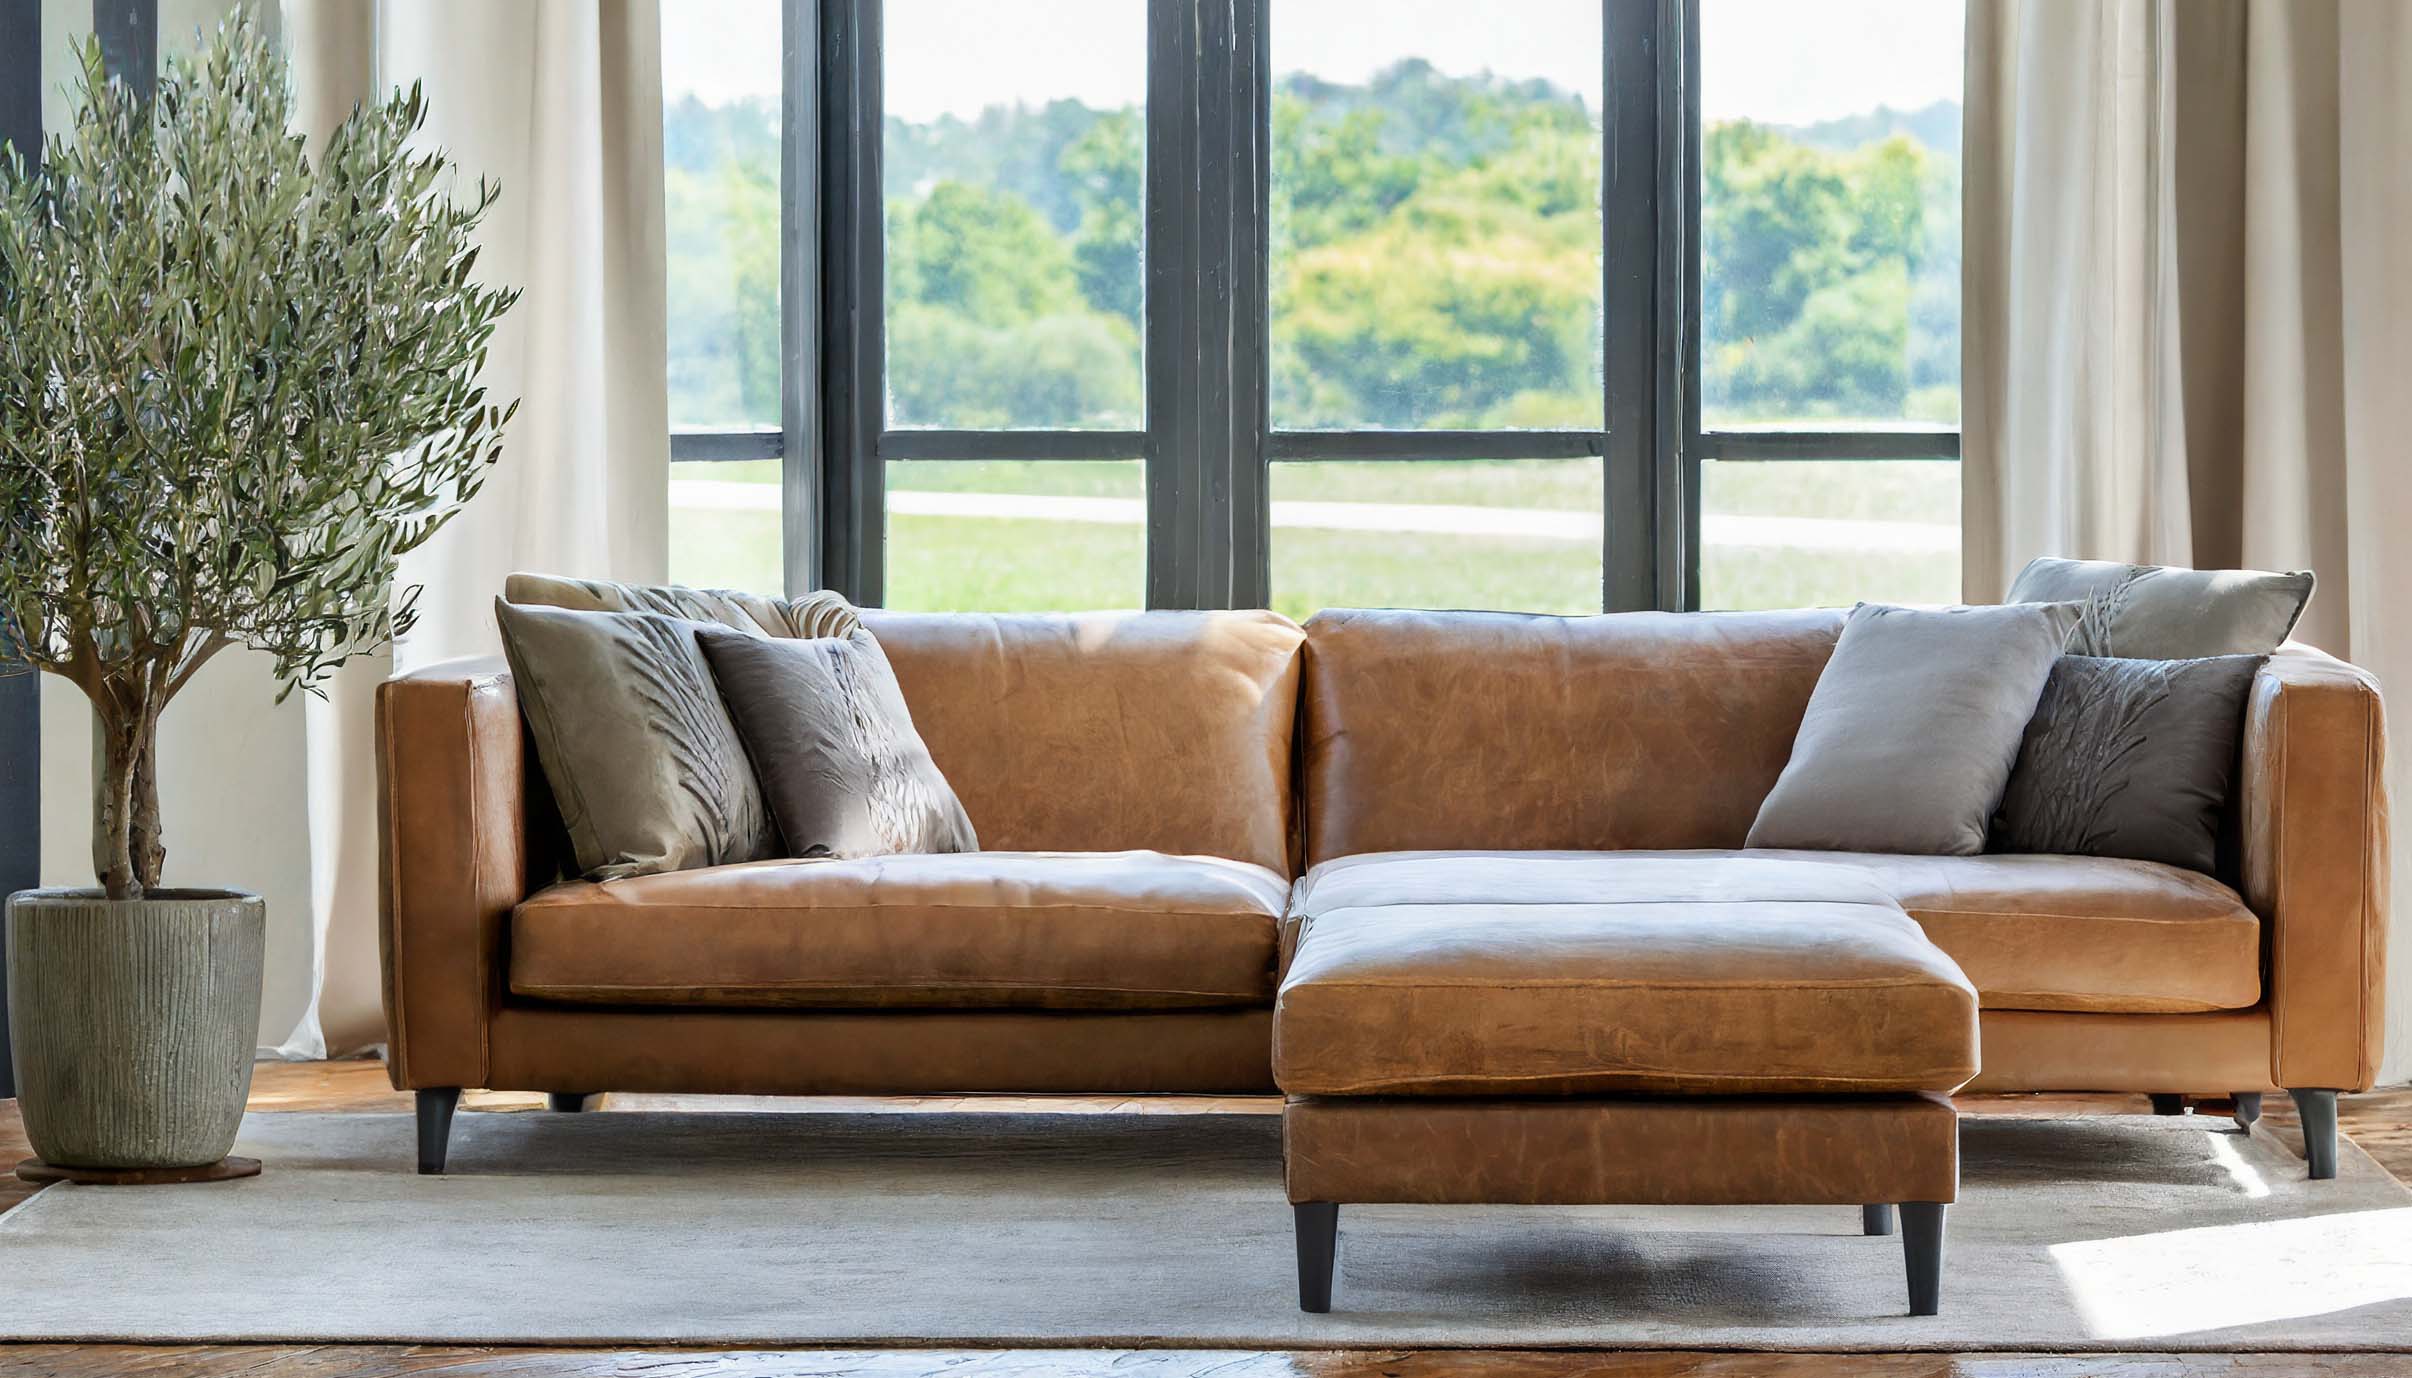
<point>238,380</point>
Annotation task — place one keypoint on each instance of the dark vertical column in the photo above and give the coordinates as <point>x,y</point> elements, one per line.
<point>1208,128</point>
<point>1173,476</point>
<point>1630,187</point>
<point>801,482</point>
<point>129,37</point>
<point>20,690</point>
<point>853,367</point>
<point>1251,507</point>
<point>1679,221</point>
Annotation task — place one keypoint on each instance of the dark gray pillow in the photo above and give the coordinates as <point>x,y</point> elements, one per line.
<point>2128,758</point>
<point>643,760</point>
<point>1911,731</point>
<point>2161,612</point>
<point>842,768</point>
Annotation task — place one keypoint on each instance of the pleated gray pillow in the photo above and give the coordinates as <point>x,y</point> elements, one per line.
<point>2129,758</point>
<point>2162,612</point>
<point>1912,729</point>
<point>643,761</point>
<point>842,767</point>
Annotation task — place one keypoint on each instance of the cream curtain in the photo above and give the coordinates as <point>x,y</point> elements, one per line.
<point>2187,330</point>
<point>560,102</point>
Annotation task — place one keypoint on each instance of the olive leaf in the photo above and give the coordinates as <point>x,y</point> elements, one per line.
<point>238,381</point>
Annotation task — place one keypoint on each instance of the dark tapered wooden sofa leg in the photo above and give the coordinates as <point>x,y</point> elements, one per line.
<point>567,1102</point>
<point>1318,1243</point>
<point>2318,1112</point>
<point>1876,1219</point>
<point>2248,1109</point>
<point>435,1126</point>
<point>1922,1250</point>
<point>2168,1103</point>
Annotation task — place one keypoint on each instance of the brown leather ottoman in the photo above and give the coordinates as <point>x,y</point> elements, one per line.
<point>1617,1031</point>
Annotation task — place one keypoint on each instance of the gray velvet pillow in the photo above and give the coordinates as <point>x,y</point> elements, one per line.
<point>1912,729</point>
<point>2128,758</point>
<point>842,768</point>
<point>643,760</point>
<point>2161,612</point>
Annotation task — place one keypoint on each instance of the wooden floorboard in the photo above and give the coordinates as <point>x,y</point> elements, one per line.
<point>2381,1123</point>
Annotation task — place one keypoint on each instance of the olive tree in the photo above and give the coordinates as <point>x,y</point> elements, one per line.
<point>238,381</point>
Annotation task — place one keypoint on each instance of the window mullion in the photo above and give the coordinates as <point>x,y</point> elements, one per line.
<point>1250,519</point>
<point>1679,323</point>
<point>801,481</point>
<point>853,499</point>
<point>1630,188</point>
<point>1170,301</point>
<point>1207,512</point>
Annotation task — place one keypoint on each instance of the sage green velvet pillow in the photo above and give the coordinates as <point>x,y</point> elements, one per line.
<point>647,769</point>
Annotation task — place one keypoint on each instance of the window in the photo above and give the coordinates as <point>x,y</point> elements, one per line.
<point>1012,290</point>
<point>1011,165</point>
<point>721,132</point>
<point>1519,534</point>
<point>1435,214</point>
<point>1829,365</point>
<point>1556,306</point>
<point>988,535</point>
<point>1435,265</point>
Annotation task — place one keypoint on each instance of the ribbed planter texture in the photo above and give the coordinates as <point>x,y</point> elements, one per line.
<point>134,1023</point>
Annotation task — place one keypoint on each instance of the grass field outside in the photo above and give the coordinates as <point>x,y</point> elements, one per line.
<point>1844,531</point>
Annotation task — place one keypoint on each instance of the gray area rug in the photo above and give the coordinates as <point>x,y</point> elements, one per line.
<point>991,1229</point>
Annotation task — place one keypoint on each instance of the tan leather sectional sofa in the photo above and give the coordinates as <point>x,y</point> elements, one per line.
<point>1162,795</point>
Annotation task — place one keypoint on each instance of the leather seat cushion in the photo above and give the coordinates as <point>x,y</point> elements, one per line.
<point>2096,935</point>
<point>2093,935</point>
<point>1522,975</point>
<point>973,930</point>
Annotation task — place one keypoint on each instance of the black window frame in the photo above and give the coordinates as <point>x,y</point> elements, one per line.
<point>1207,442</point>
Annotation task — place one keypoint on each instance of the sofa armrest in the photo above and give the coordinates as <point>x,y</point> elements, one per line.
<point>454,858</point>
<point>2314,863</point>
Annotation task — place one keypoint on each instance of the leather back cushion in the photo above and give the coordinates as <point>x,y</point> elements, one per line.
<point>1163,731</point>
<point>1469,730</point>
<point>1082,732</point>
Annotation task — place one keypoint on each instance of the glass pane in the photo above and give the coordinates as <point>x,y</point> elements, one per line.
<point>997,535</point>
<point>1829,533</point>
<point>65,26</point>
<point>720,190</point>
<point>1013,163</point>
<point>185,26</point>
<point>1830,212</point>
<point>1436,214</point>
<point>724,526</point>
<point>1515,534</point>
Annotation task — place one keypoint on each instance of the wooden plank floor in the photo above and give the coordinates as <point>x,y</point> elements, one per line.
<point>2380,1122</point>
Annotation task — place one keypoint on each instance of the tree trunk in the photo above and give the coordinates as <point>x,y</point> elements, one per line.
<point>150,851</point>
<point>126,850</point>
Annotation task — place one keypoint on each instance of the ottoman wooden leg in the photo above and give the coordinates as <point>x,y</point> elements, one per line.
<point>1318,1241</point>
<point>1875,1219</point>
<point>1922,1249</point>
